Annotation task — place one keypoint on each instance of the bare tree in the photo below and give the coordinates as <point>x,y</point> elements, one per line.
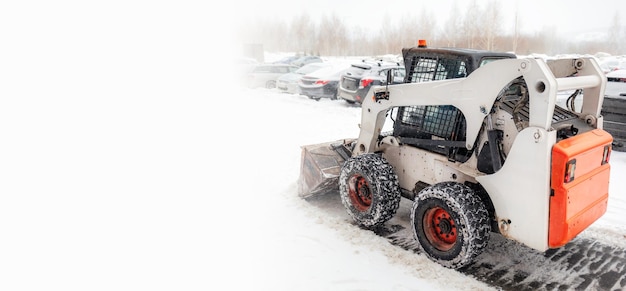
<point>490,25</point>
<point>471,25</point>
<point>388,35</point>
<point>303,33</point>
<point>360,42</point>
<point>426,25</point>
<point>409,31</point>
<point>476,27</point>
<point>516,27</point>
<point>616,35</point>
<point>332,38</point>
<point>453,27</point>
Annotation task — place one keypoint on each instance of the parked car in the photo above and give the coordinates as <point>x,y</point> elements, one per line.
<point>612,64</point>
<point>287,60</point>
<point>288,83</point>
<point>357,80</point>
<point>243,66</point>
<point>265,75</point>
<point>618,75</point>
<point>305,60</point>
<point>322,83</point>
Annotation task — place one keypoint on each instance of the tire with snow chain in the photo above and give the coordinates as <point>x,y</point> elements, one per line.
<point>369,189</point>
<point>451,224</point>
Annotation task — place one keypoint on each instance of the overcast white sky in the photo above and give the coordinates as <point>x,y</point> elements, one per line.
<point>573,16</point>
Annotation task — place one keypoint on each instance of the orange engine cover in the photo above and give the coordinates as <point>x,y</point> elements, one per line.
<point>579,197</point>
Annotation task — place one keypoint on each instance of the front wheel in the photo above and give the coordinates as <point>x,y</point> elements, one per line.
<point>369,189</point>
<point>451,224</point>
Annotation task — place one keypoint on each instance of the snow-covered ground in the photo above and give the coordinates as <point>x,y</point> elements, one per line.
<point>286,243</point>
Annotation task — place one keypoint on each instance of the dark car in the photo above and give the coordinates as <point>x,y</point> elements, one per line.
<point>322,83</point>
<point>357,80</point>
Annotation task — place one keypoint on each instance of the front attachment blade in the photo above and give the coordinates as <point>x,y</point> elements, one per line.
<point>320,167</point>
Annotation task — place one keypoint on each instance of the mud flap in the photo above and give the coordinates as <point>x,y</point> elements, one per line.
<point>320,167</point>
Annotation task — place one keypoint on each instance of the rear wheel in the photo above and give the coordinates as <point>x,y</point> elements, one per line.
<point>369,189</point>
<point>270,84</point>
<point>451,224</point>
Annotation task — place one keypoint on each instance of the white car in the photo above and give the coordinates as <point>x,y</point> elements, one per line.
<point>288,83</point>
<point>265,75</point>
<point>617,75</point>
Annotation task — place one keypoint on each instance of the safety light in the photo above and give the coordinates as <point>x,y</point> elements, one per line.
<point>421,43</point>
<point>570,168</point>
<point>321,82</point>
<point>606,156</point>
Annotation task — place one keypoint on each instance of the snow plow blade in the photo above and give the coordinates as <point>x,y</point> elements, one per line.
<point>320,167</point>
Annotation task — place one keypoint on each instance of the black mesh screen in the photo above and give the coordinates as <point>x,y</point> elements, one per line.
<point>440,121</point>
<point>425,69</point>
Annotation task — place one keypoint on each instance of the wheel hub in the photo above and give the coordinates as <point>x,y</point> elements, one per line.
<point>440,228</point>
<point>359,192</point>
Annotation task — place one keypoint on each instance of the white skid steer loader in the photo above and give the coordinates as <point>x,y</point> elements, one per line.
<point>480,144</point>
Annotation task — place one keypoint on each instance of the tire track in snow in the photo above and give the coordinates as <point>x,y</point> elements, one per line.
<point>582,264</point>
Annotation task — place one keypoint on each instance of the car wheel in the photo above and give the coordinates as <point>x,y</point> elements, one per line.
<point>270,84</point>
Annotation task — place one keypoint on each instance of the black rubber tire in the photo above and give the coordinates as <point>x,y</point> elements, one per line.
<point>270,84</point>
<point>451,224</point>
<point>378,197</point>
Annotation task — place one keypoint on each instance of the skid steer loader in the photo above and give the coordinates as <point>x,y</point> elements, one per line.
<point>481,144</point>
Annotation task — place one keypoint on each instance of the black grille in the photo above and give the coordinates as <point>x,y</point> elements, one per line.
<point>425,69</point>
<point>436,120</point>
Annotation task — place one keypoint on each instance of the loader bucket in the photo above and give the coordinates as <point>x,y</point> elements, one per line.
<point>320,167</point>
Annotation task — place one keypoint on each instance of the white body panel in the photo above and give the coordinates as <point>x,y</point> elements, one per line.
<point>520,191</point>
<point>425,167</point>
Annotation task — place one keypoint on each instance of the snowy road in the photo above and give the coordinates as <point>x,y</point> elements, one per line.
<point>314,245</point>
<point>583,264</point>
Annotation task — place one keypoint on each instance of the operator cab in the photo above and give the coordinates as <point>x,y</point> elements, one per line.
<point>439,129</point>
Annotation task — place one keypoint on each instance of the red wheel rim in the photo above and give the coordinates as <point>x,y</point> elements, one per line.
<point>440,228</point>
<point>359,193</point>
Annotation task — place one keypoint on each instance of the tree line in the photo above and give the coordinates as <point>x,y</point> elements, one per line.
<point>477,27</point>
